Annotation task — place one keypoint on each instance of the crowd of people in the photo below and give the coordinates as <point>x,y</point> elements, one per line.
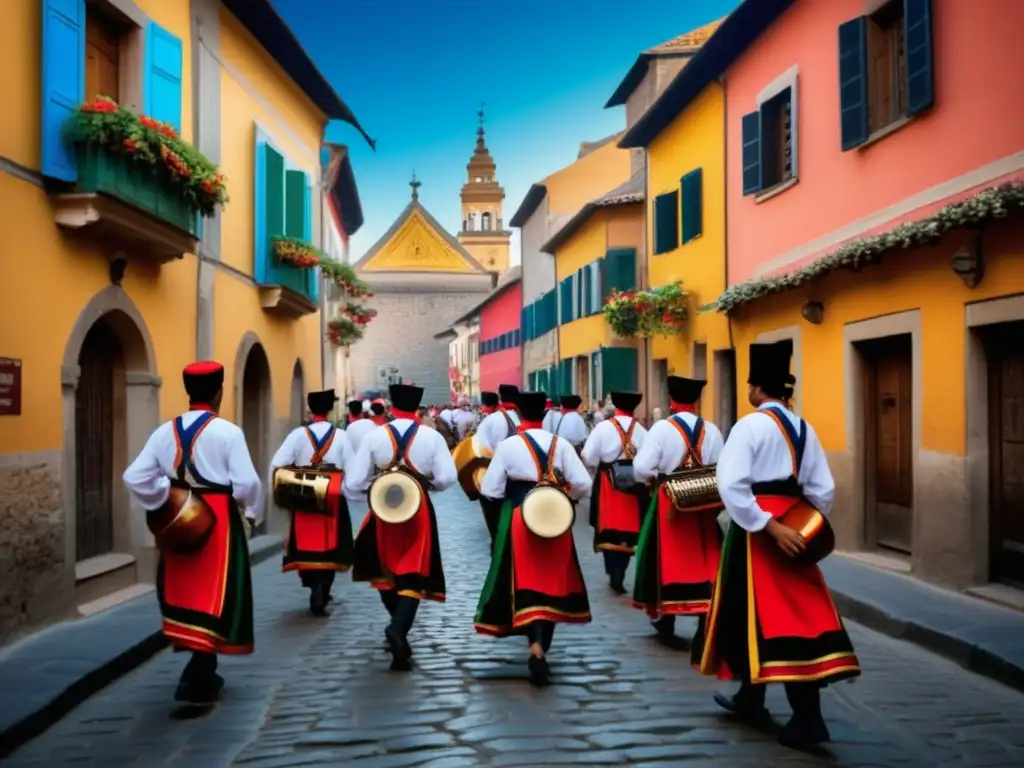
<point>765,614</point>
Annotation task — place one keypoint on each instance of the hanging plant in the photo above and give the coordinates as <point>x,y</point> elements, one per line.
<point>344,276</point>
<point>296,252</point>
<point>343,332</point>
<point>660,311</point>
<point>357,313</point>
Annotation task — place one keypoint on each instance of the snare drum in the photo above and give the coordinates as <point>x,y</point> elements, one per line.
<point>547,511</point>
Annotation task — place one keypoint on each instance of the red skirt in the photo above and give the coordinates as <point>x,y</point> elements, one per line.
<point>405,557</point>
<point>677,560</point>
<point>772,619</point>
<point>321,542</point>
<point>615,516</point>
<point>206,596</point>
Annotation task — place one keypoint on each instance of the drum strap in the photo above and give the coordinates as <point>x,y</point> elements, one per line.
<point>320,446</point>
<point>796,439</point>
<point>626,436</point>
<point>545,460</point>
<point>402,444</point>
<point>511,424</point>
<point>185,437</point>
<point>694,438</point>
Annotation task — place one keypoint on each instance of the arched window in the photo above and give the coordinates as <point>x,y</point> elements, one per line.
<point>486,222</point>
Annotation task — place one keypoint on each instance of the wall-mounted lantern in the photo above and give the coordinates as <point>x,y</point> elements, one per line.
<point>968,264</point>
<point>813,312</point>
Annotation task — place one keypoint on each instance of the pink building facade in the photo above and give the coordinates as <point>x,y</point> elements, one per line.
<point>501,336</point>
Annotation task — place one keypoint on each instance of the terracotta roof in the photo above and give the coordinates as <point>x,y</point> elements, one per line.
<point>630,192</point>
<point>688,41</point>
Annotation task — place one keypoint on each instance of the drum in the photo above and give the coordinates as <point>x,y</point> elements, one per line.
<point>547,511</point>
<point>304,489</point>
<point>471,462</point>
<point>395,496</point>
<point>816,530</point>
<point>183,523</point>
<point>693,490</point>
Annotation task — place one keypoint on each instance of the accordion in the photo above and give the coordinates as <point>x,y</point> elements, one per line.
<point>693,490</point>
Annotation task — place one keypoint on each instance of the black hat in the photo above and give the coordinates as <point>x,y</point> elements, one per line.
<point>626,401</point>
<point>508,393</point>
<point>321,402</point>
<point>684,391</point>
<point>405,397</point>
<point>769,366</point>
<point>572,402</point>
<point>531,405</point>
<point>489,399</point>
<point>355,407</point>
<point>203,380</point>
<point>377,406</point>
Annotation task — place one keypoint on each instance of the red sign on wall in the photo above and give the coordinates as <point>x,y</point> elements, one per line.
<point>10,387</point>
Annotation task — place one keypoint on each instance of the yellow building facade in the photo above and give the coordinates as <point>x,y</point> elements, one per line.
<point>690,150</point>
<point>112,296</point>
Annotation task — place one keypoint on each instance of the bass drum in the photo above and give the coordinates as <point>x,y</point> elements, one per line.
<point>183,524</point>
<point>394,496</point>
<point>471,462</point>
<point>547,511</point>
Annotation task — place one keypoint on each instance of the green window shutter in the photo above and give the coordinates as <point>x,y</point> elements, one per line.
<point>270,214</point>
<point>693,206</point>
<point>552,387</point>
<point>917,16</point>
<point>666,222</point>
<point>619,367</point>
<point>581,306</point>
<point>565,300</point>
<point>620,269</point>
<point>295,204</point>
<point>751,130</point>
<point>565,377</point>
<point>853,82</point>
<point>588,291</point>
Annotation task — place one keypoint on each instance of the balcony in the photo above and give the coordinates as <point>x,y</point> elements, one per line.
<point>127,207</point>
<point>289,283</point>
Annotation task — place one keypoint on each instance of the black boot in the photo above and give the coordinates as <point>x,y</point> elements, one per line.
<point>748,705</point>
<point>617,581</point>
<point>806,730</point>
<point>200,684</point>
<point>318,596</point>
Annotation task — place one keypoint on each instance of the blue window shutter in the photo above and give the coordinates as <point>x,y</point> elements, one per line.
<point>307,234</point>
<point>751,130</point>
<point>666,222</point>
<point>853,82</point>
<point>269,211</point>
<point>63,83</point>
<point>917,16</point>
<point>163,76</point>
<point>619,368</point>
<point>693,207</point>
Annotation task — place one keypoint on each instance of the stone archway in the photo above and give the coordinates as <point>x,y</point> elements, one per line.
<point>254,406</point>
<point>297,413</point>
<point>110,403</point>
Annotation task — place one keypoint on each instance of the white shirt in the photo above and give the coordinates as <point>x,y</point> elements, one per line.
<point>358,430</point>
<point>446,416</point>
<point>598,416</point>
<point>757,452</point>
<point>494,429</point>
<point>513,461</point>
<point>428,453</point>
<point>604,445</point>
<point>664,449</point>
<point>219,453</point>
<point>463,421</point>
<point>568,426</point>
<point>297,450</point>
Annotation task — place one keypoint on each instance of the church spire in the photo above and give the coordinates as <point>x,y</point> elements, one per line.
<point>483,227</point>
<point>480,130</point>
<point>415,184</point>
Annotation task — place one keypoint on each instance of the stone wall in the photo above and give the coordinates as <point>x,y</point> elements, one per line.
<point>35,584</point>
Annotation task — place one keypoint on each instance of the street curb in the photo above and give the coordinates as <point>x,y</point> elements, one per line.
<point>261,548</point>
<point>969,655</point>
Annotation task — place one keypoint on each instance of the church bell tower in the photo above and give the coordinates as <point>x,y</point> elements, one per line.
<point>483,231</point>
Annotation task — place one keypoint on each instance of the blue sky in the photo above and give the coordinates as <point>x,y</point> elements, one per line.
<point>415,71</point>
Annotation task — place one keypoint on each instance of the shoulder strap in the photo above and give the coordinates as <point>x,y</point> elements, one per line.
<point>694,438</point>
<point>511,424</point>
<point>541,457</point>
<point>625,435</point>
<point>558,427</point>
<point>402,444</point>
<point>795,439</point>
<point>320,446</point>
<point>185,437</point>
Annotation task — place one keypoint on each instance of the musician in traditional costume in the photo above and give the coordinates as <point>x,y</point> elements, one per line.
<point>535,580</point>
<point>359,425</point>
<point>402,560</point>
<point>493,429</point>
<point>488,404</point>
<point>202,494</point>
<point>772,619</point>
<point>678,552</point>
<point>319,542</point>
<point>616,501</point>
<point>567,423</point>
<point>378,412</point>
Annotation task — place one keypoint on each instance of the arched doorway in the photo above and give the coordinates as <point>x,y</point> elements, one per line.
<point>257,410</point>
<point>298,407</point>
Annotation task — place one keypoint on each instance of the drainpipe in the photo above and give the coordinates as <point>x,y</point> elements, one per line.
<point>725,201</point>
<point>644,285</point>
<point>321,185</point>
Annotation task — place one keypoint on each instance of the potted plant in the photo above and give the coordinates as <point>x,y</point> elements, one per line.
<point>296,252</point>
<point>344,332</point>
<point>344,276</point>
<point>659,311</point>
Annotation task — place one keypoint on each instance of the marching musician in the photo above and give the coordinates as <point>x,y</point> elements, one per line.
<point>677,555</point>
<point>463,419</point>
<point>492,430</point>
<point>378,413</point>
<point>615,513</point>
<point>318,544</point>
<point>402,560</point>
<point>533,582</point>
<point>205,596</point>
<point>567,423</point>
<point>359,425</point>
<point>772,618</point>
<point>488,404</point>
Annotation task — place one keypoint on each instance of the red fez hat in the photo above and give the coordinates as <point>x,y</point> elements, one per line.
<point>203,380</point>
<point>203,368</point>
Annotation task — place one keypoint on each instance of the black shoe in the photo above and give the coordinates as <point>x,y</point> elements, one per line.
<point>805,736</point>
<point>665,626</point>
<point>617,583</point>
<point>753,714</point>
<point>318,600</point>
<point>540,672</point>
<point>199,691</point>
<point>400,651</point>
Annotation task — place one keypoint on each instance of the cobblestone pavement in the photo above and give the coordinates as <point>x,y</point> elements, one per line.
<point>319,692</point>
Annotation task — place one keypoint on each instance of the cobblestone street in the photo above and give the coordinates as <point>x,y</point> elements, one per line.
<point>319,692</point>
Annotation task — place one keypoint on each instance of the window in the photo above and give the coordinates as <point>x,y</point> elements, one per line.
<point>485,222</point>
<point>885,69</point>
<point>619,270</point>
<point>566,301</point>
<point>102,56</point>
<point>692,190</point>
<point>666,222</point>
<point>769,143</point>
<point>595,286</point>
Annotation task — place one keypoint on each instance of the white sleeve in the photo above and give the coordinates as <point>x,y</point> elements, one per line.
<point>591,453</point>
<point>815,476</point>
<point>648,458</point>
<point>484,434</point>
<point>574,471</point>
<point>360,469</point>
<point>341,450</point>
<point>285,454</point>
<point>144,477</point>
<point>735,479</point>
<point>493,484</point>
<point>245,481</point>
<point>444,473</point>
<point>713,443</point>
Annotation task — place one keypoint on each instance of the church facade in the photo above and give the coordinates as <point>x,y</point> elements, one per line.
<point>423,279</point>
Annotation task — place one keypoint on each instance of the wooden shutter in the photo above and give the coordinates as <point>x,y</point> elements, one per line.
<point>751,130</point>
<point>693,207</point>
<point>163,94</point>
<point>853,82</point>
<point>619,368</point>
<point>565,300</point>
<point>620,269</point>
<point>666,222</point>
<point>917,16</point>
<point>63,83</point>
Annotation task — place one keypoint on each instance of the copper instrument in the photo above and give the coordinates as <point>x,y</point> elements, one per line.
<point>471,462</point>
<point>693,490</point>
<point>305,489</point>
<point>814,528</point>
<point>184,523</point>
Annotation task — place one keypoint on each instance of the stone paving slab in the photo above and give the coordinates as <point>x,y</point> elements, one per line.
<point>983,637</point>
<point>43,676</point>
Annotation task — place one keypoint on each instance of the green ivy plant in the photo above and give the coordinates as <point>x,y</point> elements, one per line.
<point>660,311</point>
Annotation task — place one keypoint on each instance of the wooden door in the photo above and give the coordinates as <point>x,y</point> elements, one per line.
<point>94,443</point>
<point>891,406</point>
<point>583,378</point>
<point>1006,452</point>
<point>102,58</point>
